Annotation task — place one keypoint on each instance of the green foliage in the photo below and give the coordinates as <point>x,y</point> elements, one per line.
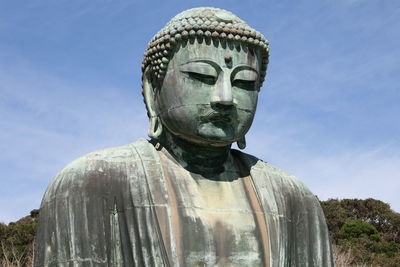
<point>357,228</point>
<point>16,246</point>
<point>368,228</point>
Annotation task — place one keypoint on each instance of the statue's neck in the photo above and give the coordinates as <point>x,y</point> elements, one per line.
<point>198,158</point>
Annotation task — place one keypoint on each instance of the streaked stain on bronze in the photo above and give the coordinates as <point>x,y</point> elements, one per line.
<point>223,238</point>
<point>173,202</point>
<point>162,219</point>
<point>258,213</point>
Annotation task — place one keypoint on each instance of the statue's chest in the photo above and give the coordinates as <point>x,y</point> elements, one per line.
<point>216,221</point>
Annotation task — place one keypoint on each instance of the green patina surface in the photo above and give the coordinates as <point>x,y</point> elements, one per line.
<point>185,198</point>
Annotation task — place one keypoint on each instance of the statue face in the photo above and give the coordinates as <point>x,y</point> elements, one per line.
<point>209,93</point>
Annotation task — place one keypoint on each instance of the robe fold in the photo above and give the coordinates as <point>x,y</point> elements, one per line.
<point>121,207</point>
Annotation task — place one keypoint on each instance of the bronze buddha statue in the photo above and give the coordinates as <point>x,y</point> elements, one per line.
<point>185,198</point>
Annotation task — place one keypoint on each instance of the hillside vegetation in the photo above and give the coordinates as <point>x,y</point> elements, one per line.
<point>363,233</point>
<point>16,241</point>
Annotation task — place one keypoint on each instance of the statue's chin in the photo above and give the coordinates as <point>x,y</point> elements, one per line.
<point>208,142</point>
<point>217,132</point>
<point>212,135</point>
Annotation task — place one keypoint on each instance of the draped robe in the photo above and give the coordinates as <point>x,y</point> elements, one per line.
<point>122,207</point>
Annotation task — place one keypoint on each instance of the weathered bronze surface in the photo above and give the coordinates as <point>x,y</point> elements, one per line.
<point>185,198</point>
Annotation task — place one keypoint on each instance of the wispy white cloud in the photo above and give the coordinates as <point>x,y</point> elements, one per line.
<point>354,175</point>
<point>46,124</point>
<point>330,171</point>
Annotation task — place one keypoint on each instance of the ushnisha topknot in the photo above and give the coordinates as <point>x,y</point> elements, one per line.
<point>201,22</point>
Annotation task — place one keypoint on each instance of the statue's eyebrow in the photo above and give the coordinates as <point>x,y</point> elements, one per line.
<point>242,67</point>
<point>203,60</point>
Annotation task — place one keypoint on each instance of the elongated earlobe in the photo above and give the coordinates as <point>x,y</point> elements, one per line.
<point>241,143</point>
<point>155,129</point>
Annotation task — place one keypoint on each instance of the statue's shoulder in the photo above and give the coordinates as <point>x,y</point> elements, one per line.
<point>101,168</point>
<point>110,158</point>
<point>266,173</point>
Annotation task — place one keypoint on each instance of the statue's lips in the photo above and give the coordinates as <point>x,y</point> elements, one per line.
<point>218,117</point>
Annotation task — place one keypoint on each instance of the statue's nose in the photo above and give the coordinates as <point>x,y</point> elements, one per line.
<point>223,93</point>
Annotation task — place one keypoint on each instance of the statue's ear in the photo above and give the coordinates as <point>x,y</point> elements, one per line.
<point>149,94</point>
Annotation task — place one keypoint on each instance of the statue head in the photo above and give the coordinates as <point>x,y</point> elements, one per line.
<point>201,77</point>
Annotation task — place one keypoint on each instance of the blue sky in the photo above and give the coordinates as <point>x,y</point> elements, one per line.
<point>328,112</point>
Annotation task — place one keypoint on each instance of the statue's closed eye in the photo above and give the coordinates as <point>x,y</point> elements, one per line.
<point>208,79</point>
<point>244,84</point>
<point>245,79</point>
<point>200,71</point>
